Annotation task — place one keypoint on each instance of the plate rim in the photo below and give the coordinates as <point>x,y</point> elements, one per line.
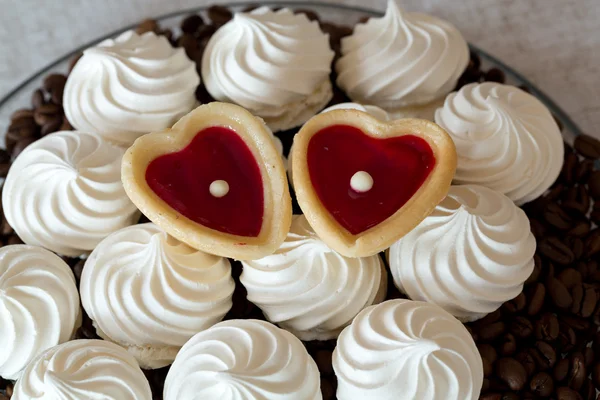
<point>564,118</point>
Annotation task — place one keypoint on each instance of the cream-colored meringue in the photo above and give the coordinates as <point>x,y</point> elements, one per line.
<point>407,350</point>
<point>39,305</point>
<point>151,293</point>
<point>64,193</point>
<point>473,253</point>
<point>243,360</point>
<point>129,86</point>
<point>276,64</point>
<point>309,289</point>
<point>506,139</point>
<point>402,59</point>
<point>374,111</point>
<point>83,369</point>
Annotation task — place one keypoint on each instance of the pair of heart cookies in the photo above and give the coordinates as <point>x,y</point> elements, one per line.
<point>216,181</point>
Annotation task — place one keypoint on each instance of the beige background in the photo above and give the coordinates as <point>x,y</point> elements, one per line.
<point>555,43</point>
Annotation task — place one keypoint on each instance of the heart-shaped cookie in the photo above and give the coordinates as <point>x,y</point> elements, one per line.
<point>364,183</point>
<point>214,181</point>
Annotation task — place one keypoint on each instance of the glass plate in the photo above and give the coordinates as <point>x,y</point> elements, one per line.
<point>340,14</point>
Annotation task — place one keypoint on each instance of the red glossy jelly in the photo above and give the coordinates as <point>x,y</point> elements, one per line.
<point>183,180</point>
<point>398,166</point>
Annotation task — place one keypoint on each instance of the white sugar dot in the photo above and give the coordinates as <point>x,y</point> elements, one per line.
<point>361,182</point>
<point>219,188</point>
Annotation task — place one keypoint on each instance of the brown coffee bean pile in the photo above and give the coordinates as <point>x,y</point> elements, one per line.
<point>541,345</point>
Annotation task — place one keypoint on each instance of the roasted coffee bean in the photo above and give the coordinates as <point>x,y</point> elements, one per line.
<point>587,391</point>
<point>592,243</point>
<point>594,185</point>
<point>488,352</point>
<point>589,356</point>
<point>55,85</point>
<point>37,99</point>
<point>21,113</point>
<point>596,375</point>
<point>487,396</point>
<point>147,25</point>
<point>556,251</point>
<point>536,295</point>
<point>521,327</point>
<point>545,356</point>
<point>577,201</point>
<point>511,372</point>
<point>576,245</point>
<point>578,324</point>
<point>46,113</point>
<point>492,331</point>
<point>21,145</point>
<point>580,228</point>
<point>327,389</point>
<point>568,170</point>
<point>23,127</point>
<point>577,296</point>
<point>565,393</point>
<point>66,125</point>
<point>566,337</point>
<point>488,368</point>
<point>587,146</point>
<point>547,327</point>
<point>323,360</point>
<point>583,171</point>
<point>577,373</point>
<point>14,239</point>
<point>537,228</point>
<point>557,217</point>
<point>561,369</point>
<point>511,396</point>
<point>569,277</point>
<point>558,293</point>
<point>590,300</point>
<point>527,360</point>
<point>517,304</point>
<point>219,15</point>
<point>4,167</point>
<point>78,269</point>
<point>73,61</point>
<point>191,23</point>
<point>52,126</point>
<point>508,345</point>
<point>494,75</point>
<point>542,384</point>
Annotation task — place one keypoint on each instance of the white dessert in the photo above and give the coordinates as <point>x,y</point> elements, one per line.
<point>407,350</point>
<point>129,86</point>
<point>506,139</point>
<point>64,193</point>
<point>151,293</point>
<point>473,253</point>
<point>309,289</point>
<point>83,369</point>
<point>39,305</point>
<point>402,59</point>
<point>276,64</point>
<point>374,111</point>
<point>243,360</point>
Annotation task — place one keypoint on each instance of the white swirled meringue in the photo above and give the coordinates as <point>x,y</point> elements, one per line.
<point>243,360</point>
<point>506,139</point>
<point>276,64</point>
<point>402,59</point>
<point>309,289</point>
<point>151,293</point>
<point>374,111</point>
<point>407,350</point>
<point>473,253</point>
<point>39,305</point>
<point>64,193</point>
<point>129,86</point>
<point>83,369</point>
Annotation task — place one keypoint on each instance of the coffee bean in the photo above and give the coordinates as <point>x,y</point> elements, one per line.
<point>511,396</point>
<point>219,15</point>
<point>577,296</point>
<point>542,384</point>
<point>578,324</point>
<point>511,372</point>
<point>191,23</point>
<point>547,327</point>
<point>558,293</point>
<point>556,251</point>
<point>46,113</point>
<point>596,375</point>
<point>327,390</point>
<point>590,299</point>
<point>492,331</point>
<point>568,170</point>
<point>545,356</point>
<point>147,25</point>
<point>561,369</point>
<point>557,217</point>
<point>78,269</point>
<point>24,127</point>
<point>576,245</point>
<point>527,360</point>
<point>536,295</point>
<point>21,113</point>
<point>566,337</point>
<point>592,243</point>
<point>587,391</point>
<point>521,327</point>
<point>66,125</point>
<point>52,126</point>
<point>577,201</point>
<point>580,228</point>
<point>488,368</point>
<point>517,304</point>
<point>565,393</point>
<point>73,61</point>
<point>494,75</point>
<point>589,356</point>
<point>487,396</point>
<point>587,146</point>
<point>508,345</point>
<point>488,352</point>
<point>538,229</point>
<point>21,145</point>
<point>37,99</point>
<point>55,85</point>
<point>594,185</point>
<point>323,360</point>
<point>577,372</point>
<point>569,277</point>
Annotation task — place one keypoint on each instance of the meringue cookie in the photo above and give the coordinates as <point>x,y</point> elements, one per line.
<point>374,111</point>
<point>309,289</point>
<point>506,139</point>
<point>83,369</point>
<point>473,253</point>
<point>402,59</point>
<point>276,64</point>
<point>151,293</point>
<point>39,305</point>
<point>403,349</point>
<point>64,193</point>
<point>243,360</point>
<point>129,86</point>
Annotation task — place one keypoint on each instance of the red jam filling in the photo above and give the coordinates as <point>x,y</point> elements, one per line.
<point>398,166</point>
<point>183,180</point>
